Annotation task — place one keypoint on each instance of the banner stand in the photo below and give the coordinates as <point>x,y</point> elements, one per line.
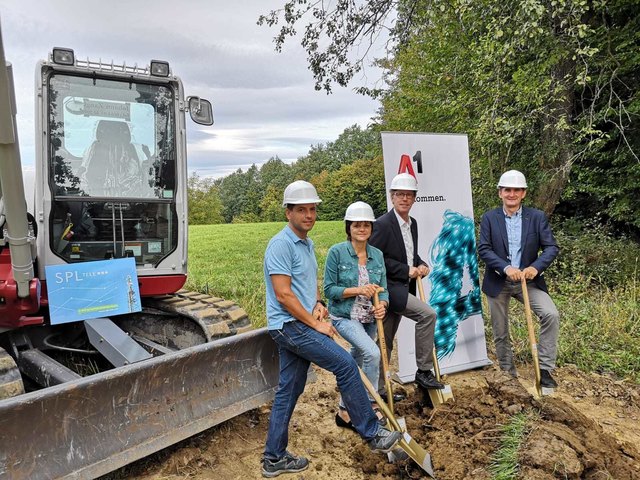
<point>446,235</point>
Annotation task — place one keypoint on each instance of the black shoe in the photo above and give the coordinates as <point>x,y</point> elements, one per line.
<point>341,422</point>
<point>385,440</point>
<point>426,379</point>
<point>397,397</point>
<point>546,380</point>
<point>287,464</point>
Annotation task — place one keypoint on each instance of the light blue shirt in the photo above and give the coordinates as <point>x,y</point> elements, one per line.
<point>514,235</point>
<point>287,254</point>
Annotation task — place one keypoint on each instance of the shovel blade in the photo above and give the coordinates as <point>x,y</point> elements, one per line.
<point>417,453</point>
<point>439,396</point>
<point>406,443</point>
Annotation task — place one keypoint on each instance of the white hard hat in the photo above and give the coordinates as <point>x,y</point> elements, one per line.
<point>404,181</point>
<point>300,192</point>
<point>359,212</point>
<point>513,179</point>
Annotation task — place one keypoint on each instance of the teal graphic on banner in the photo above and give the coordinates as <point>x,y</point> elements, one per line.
<point>79,291</point>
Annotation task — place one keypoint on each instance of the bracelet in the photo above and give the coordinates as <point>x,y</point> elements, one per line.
<point>321,302</point>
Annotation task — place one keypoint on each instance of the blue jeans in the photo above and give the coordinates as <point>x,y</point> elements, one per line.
<point>298,346</point>
<point>362,337</point>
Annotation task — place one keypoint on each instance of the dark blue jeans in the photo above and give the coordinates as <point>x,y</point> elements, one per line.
<point>298,346</point>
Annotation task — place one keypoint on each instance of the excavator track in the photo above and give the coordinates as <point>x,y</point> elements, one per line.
<point>10,379</point>
<point>217,317</point>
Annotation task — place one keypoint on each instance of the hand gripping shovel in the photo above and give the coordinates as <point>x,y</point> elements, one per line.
<point>437,396</point>
<point>532,337</point>
<point>406,443</point>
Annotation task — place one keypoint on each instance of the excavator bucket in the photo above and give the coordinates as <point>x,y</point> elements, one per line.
<point>94,425</point>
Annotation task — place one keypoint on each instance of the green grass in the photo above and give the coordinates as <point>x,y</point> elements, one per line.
<point>226,260</point>
<point>504,461</point>
<point>598,325</point>
<point>598,328</point>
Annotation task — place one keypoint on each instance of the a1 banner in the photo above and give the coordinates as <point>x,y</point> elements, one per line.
<point>81,291</point>
<point>446,237</point>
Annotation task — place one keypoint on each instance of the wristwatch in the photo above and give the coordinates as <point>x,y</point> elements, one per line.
<point>321,302</point>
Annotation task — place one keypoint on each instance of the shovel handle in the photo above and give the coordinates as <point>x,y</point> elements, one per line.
<point>436,364</point>
<point>383,353</point>
<point>532,334</point>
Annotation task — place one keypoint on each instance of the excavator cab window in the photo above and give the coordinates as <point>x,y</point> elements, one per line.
<point>111,169</point>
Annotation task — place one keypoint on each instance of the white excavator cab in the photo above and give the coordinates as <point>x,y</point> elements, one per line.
<point>111,169</point>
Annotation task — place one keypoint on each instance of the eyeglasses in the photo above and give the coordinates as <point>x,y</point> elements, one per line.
<point>405,194</point>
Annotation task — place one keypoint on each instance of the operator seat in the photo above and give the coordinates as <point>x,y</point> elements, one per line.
<point>112,166</point>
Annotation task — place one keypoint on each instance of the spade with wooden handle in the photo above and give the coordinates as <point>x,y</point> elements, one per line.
<point>532,335</point>
<point>438,396</point>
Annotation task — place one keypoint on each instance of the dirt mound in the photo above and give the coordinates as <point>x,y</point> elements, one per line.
<point>563,444</point>
<point>568,441</point>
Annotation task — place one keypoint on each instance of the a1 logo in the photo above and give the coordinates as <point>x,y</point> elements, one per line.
<point>406,166</point>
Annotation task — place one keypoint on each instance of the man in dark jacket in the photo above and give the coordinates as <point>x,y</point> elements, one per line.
<point>396,234</point>
<point>516,242</point>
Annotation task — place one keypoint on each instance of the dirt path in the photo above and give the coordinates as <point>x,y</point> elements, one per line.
<point>590,429</point>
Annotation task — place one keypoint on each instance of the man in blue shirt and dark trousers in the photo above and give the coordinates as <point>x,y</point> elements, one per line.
<point>295,314</point>
<point>516,242</point>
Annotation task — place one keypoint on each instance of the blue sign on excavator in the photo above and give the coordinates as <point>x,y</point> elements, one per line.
<point>80,291</point>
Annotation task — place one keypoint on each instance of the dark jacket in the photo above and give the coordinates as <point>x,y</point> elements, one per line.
<point>387,237</point>
<point>494,247</point>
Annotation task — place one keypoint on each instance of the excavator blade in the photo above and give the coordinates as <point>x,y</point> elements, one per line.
<point>91,426</point>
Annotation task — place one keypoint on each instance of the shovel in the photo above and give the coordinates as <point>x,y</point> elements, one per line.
<point>532,338</point>
<point>437,396</point>
<point>406,443</point>
<point>385,365</point>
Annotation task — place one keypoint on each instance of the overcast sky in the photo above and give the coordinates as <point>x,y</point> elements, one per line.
<point>264,102</point>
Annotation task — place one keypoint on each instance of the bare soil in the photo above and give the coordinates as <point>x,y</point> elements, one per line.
<point>588,429</point>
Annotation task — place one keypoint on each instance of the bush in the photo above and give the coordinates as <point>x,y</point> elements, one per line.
<point>594,257</point>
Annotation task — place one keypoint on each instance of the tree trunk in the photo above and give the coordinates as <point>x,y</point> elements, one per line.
<point>557,146</point>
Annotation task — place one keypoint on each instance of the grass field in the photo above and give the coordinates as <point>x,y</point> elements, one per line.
<point>599,325</point>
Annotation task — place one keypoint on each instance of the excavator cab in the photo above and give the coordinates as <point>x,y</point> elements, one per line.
<point>110,189</point>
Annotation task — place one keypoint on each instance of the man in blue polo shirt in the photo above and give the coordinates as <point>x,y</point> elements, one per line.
<point>295,314</point>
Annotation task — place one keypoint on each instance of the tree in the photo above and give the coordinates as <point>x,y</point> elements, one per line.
<point>275,173</point>
<point>241,193</point>
<point>205,206</point>
<point>352,144</point>
<point>533,84</point>
<point>334,31</point>
<point>546,86</point>
<point>361,180</point>
<point>271,205</point>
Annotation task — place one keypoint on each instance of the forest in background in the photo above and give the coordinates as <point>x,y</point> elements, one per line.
<point>548,87</point>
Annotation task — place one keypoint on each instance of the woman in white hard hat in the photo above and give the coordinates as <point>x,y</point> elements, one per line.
<point>354,270</point>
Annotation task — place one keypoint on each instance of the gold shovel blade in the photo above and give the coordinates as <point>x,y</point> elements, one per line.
<point>406,443</point>
<point>439,396</point>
